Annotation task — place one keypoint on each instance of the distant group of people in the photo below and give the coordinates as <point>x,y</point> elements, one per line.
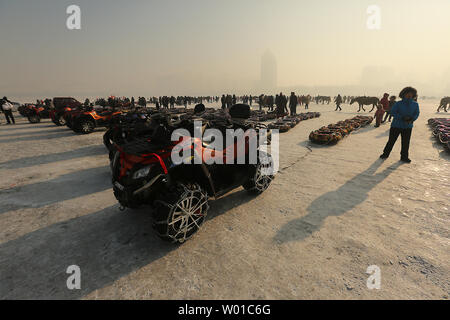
<point>167,102</point>
<point>6,107</point>
<point>402,114</point>
<point>280,103</point>
<point>228,100</point>
<point>384,109</point>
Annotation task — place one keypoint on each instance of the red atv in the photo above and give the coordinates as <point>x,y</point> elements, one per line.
<point>35,113</point>
<point>144,172</point>
<point>85,121</point>
<point>60,107</point>
<point>23,109</point>
<point>70,115</point>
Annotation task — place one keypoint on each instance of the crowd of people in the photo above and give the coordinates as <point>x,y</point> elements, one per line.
<point>402,114</point>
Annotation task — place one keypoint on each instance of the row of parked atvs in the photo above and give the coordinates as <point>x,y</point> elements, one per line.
<point>334,133</point>
<point>84,119</point>
<point>68,111</point>
<point>441,130</point>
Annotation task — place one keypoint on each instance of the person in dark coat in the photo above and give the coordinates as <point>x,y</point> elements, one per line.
<point>223,101</point>
<point>338,101</point>
<point>261,102</point>
<point>293,103</point>
<point>281,103</point>
<point>1,107</point>
<point>270,102</point>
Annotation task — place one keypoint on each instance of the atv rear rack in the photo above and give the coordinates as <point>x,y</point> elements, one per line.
<point>142,145</point>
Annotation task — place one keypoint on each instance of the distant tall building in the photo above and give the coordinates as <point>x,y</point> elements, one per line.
<point>269,73</point>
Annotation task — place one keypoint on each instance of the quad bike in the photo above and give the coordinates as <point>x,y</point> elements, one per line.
<point>179,193</point>
<point>124,127</point>
<point>23,109</point>
<point>69,116</point>
<point>128,125</point>
<point>36,113</point>
<point>86,121</point>
<point>61,107</point>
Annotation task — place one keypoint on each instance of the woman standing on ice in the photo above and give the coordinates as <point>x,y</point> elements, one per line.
<point>404,112</point>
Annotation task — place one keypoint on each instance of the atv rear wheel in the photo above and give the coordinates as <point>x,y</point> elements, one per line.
<point>181,213</point>
<point>260,175</point>
<point>34,118</point>
<point>86,126</point>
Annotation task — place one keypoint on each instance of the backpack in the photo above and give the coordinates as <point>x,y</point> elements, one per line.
<point>6,106</point>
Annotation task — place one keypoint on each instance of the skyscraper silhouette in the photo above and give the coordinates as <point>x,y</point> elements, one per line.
<point>269,71</point>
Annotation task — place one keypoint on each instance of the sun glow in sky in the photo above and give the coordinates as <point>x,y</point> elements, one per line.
<point>142,47</point>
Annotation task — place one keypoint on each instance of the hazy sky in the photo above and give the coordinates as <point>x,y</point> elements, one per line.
<point>144,47</point>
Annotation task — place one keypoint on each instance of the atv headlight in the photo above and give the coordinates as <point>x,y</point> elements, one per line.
<point>142,173</point>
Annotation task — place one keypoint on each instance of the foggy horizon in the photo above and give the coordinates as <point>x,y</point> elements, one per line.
<point>153,48</point>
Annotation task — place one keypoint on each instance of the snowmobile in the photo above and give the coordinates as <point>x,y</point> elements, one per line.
<point>144,172</point>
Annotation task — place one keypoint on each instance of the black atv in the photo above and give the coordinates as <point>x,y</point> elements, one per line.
<point>124,127</point>
<point>128,125</point>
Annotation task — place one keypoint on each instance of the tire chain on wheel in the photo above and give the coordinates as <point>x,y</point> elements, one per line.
<point>163,211</point>
<point>251,184</point>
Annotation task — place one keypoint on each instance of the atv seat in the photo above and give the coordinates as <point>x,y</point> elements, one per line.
<point>105,113</point>
<point>209,140</point>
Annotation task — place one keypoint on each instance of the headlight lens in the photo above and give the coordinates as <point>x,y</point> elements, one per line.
<point>142,173</point>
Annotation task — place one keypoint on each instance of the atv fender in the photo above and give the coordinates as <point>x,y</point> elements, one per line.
<point>193,173</point>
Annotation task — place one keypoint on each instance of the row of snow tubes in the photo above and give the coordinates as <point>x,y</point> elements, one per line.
<point>262,116</point>
<point>289,122</point>
<point>441,130</point>
<point>334,133</point>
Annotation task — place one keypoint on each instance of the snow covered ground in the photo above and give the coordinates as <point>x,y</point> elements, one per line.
<point>330,213</point>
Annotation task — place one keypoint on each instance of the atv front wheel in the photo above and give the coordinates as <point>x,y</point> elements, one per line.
<point>86,126</point>
<point>107,140</point>
<point>34,118</point>
<point>59,121</point>
<point>260,175</point>
<point>181,213</point>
